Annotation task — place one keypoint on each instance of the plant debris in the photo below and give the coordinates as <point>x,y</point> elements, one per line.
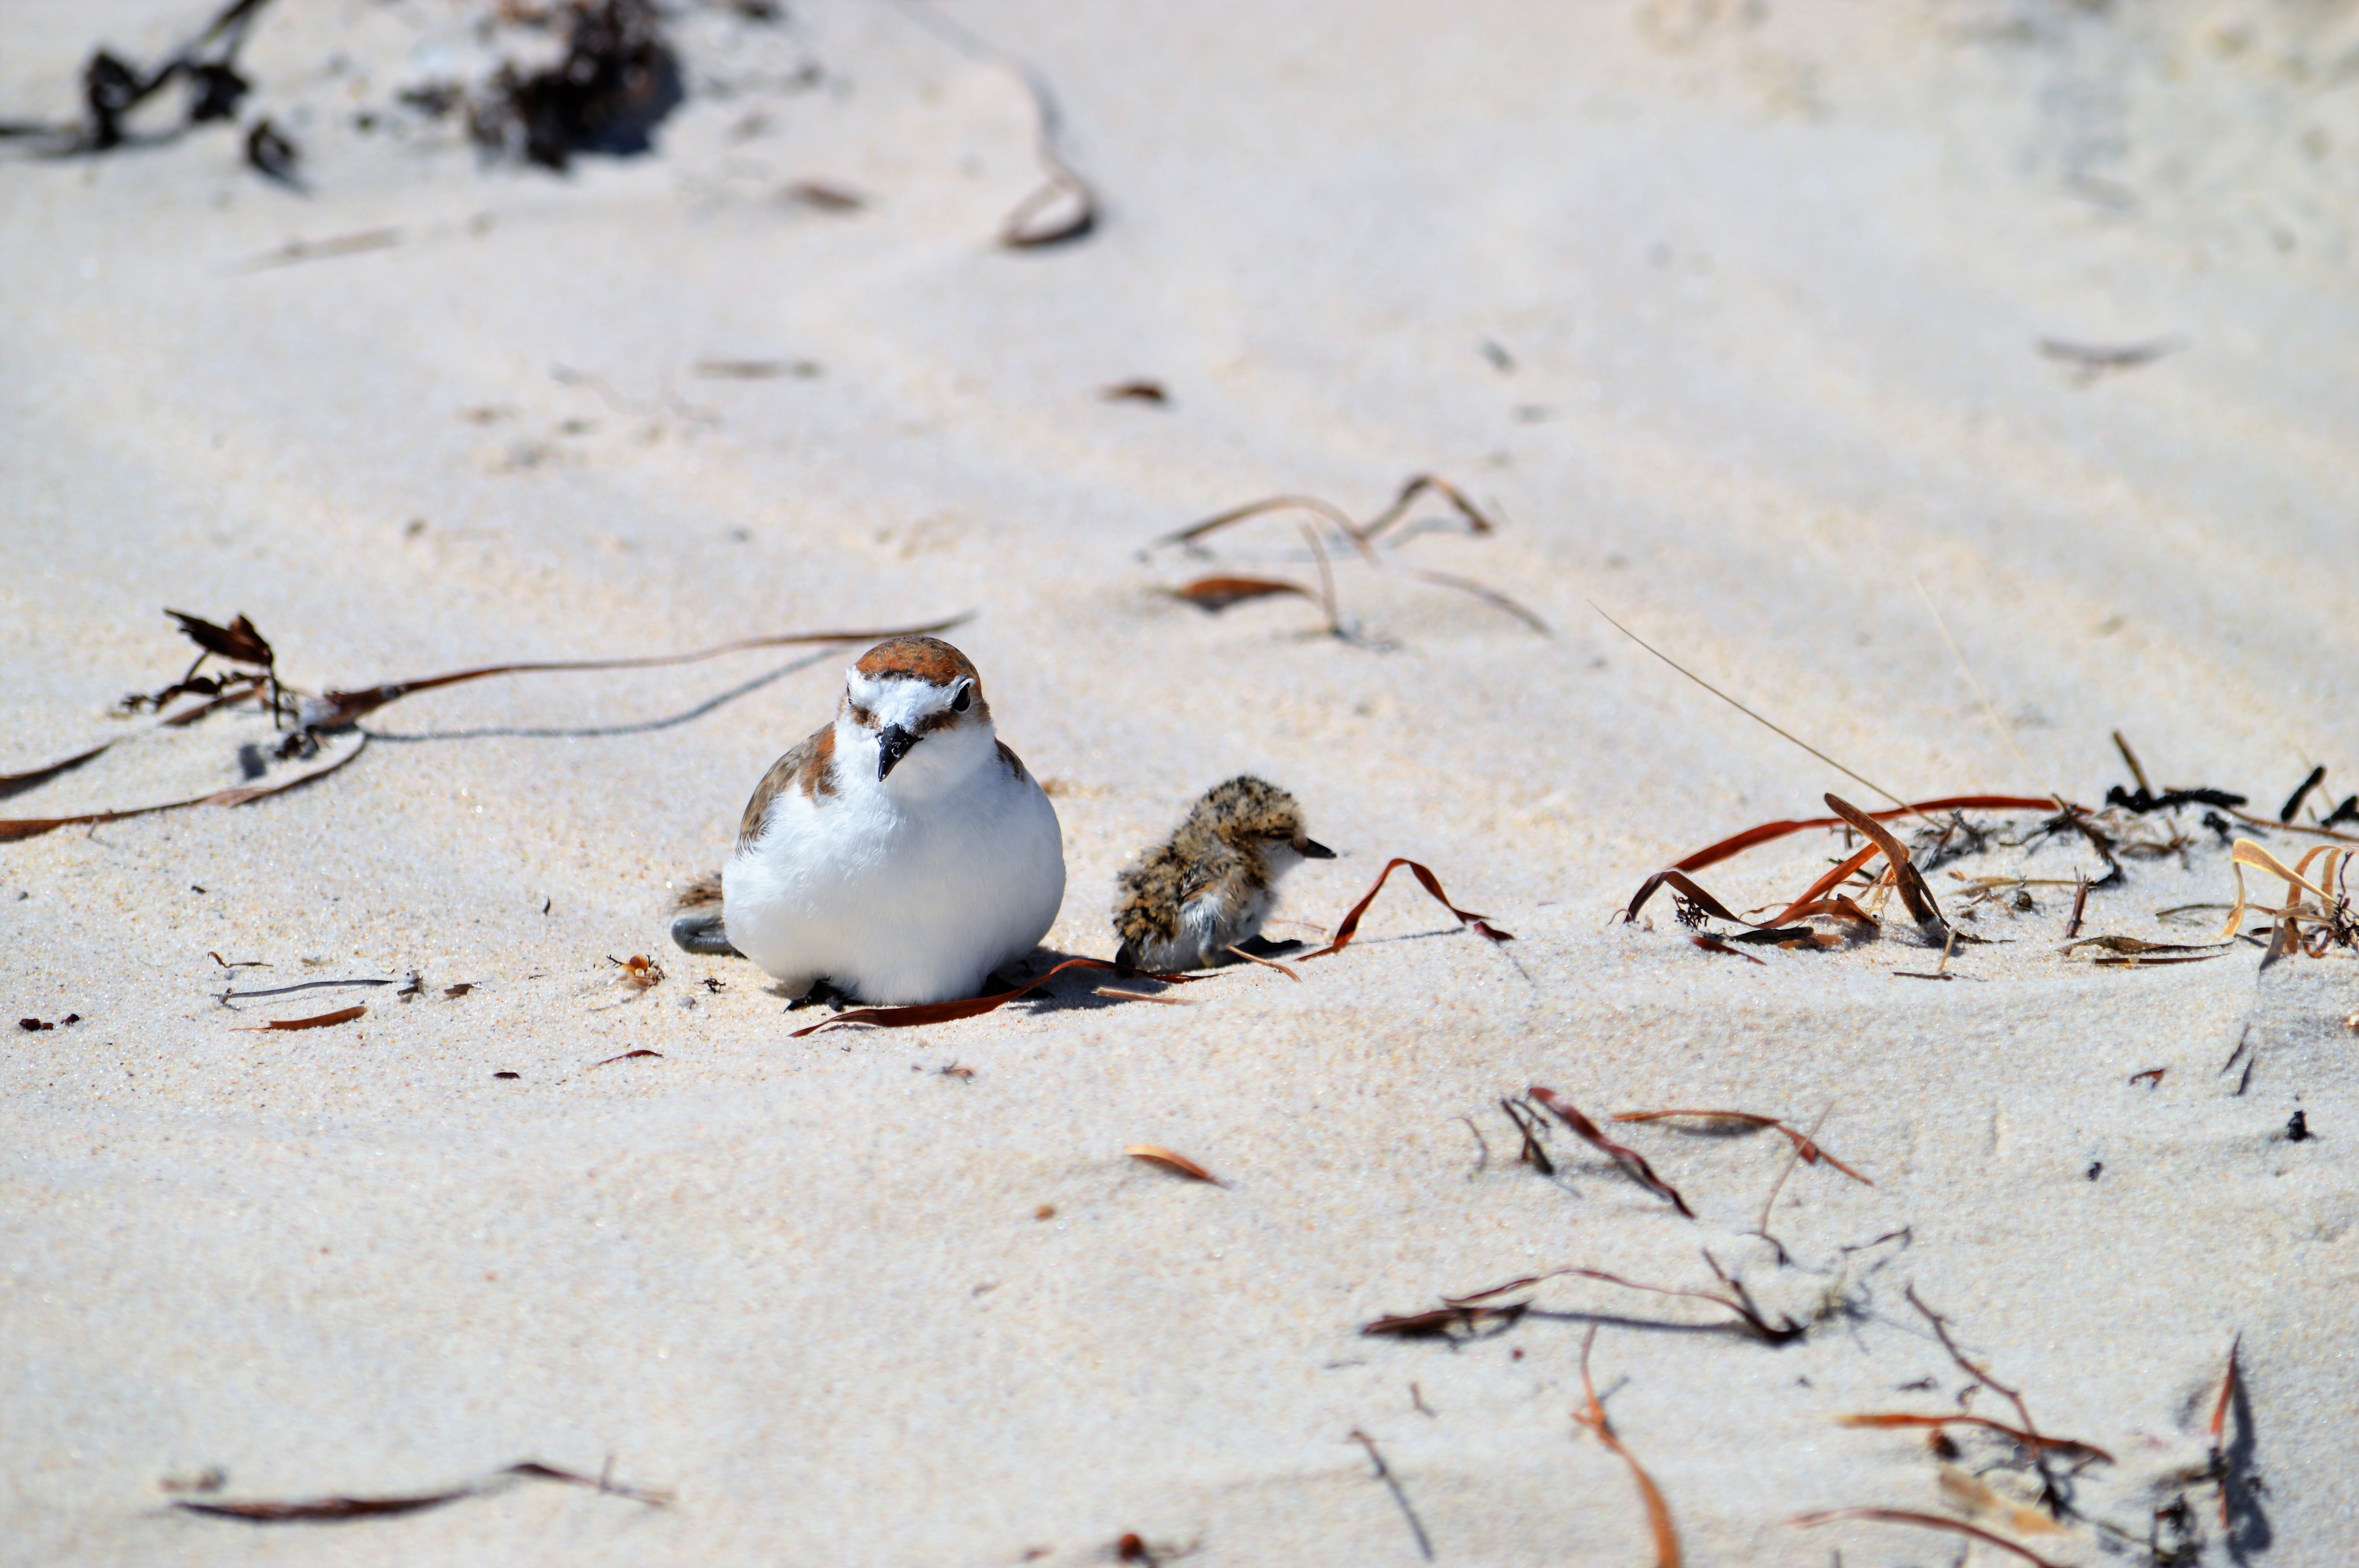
<point>1733,1298</point>
<point>321,1020</point>
<point>1922,1522</point>
<point>618,80</point>
<point>1453,1323</point>
<point>2064,1447</point>
<point>1349,927</point>
<point>31,1025</point>
<point>1136,391</point>
<point>627,1055</point>
<point>112,88</point>
<point>2053,1495</point>
<point>974,1007</point>
<point>1155,1155</point>
<point>1593,1417</point>
<point>339,1509</point>
<point>1385,1473</point>
<point>1632,1162</point>
<point>639,970</point>
<point>1804,1146</point>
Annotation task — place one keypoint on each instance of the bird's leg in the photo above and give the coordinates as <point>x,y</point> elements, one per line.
<point>701,931</point>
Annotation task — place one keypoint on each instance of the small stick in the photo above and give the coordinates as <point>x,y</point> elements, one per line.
<point>1482,1160</point>
<point>2079,905</point>
<point>2049,1493</point>
<point>1385,1473</point>
<point>1326,580</point>
<point>1923,1521</point>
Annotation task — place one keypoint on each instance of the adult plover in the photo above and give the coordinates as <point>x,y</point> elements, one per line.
<point>900,854</point>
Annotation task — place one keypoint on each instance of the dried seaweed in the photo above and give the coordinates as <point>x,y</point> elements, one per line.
<point>12,828</point>
<point>1155,1155</point>
<point>1806,1147</point>
<point>1218,593</point>
<point>1914,893</point>
<point>112,88</point>
<point>1063,208</point>
<point>628,1055</point>
<point>1767,832</point>
<point>617,80</point>
<point>1658,1514</point>
<point>2053,1493</point>
<point>1632,1162</point>
<point>2064,1447</point>
<point>34,778</point>
<point>2301,793</point>
<point>974,1007</point>
<point>1714,945</point>
<point>1455,1323</point>
<point>1349,927</point>
<point>342,1510</point>
<point>1922,1522</point>
<point>320,1021</point>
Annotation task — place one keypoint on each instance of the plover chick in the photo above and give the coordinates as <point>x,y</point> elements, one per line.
<point>902,853</point>
<point>1190,900</point>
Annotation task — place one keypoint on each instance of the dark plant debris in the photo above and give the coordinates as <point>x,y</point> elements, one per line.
<point>1151,391</point>
<point>617,80</point>
<point>112,88</point>
<point>1349,925</point>
<point>1804,1145</point>
<point>342,1510</point>
<point>628,1055</point>
<point>1633,1163</point>
<point>33,1024</point>
<point>1391,1483</point>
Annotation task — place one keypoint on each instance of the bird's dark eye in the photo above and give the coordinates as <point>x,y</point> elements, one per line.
<point>965,696</point>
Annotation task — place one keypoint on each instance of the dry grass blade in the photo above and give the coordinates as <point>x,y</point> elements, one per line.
<point>1905,876</point>
<point>1738,1302</point>
<point>339,1509</point>
<point>321,1020</point>
<point>34,778</point>
<point>1633,1162</point>
<point>2064,1446</point>
<point>1326,510</point>
<point>1155,1155</point>
<point>1349,927</point>
<point>13,828</point>
<point>2227,1391</point>
<point>1737,843</point>
<point>628,1055</point>
<point>1418,485</point>
<point>1488,595</point>
<point>2051,1495</point>
<point>341,708</point>
<point>1659,1513</point>
<point>1385,1473</point>
<point>1218,593</point>
<point>1922,1522</point>
<point>1804,1145</point>
<point>972,1007</point>
<point>1285,969</point>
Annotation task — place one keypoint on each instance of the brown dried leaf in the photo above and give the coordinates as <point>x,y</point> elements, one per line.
<point>627,1056</point>
<point>1804,1146</point>
<point>1922,1522</point>
<point>17,783</point>
<point>1630,1160</point>
<point>1155,1155</point>
<point>1350,926</point>
<point>2065,1447</point>
<point>238,642</point>
<point>1714,945</point>
<point>1218,593</point>
<point>341,1015</point>
<point>1659,1513</point>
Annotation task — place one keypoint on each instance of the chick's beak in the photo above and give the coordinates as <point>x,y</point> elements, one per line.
<point>892,744</point>
<point>1312,849</point>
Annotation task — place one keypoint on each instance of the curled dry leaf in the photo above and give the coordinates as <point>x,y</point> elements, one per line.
<point>1632,1162</point>
<point>238,642</point>
<point>2064,1447</point>
<point>1155,1155</point>
<point>1350,926</point>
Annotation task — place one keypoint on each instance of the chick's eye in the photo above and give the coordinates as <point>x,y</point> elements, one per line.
<point>960,703</point>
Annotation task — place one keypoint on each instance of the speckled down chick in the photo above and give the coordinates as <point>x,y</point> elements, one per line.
<point>1189,900</point>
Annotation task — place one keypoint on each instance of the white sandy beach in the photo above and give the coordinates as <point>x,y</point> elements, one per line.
<point>1764,287</point>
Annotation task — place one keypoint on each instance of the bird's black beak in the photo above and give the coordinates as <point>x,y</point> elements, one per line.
<point>892,744</point>
<point>1312,849</point>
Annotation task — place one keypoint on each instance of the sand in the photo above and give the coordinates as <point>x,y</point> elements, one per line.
<point>1765,288</point>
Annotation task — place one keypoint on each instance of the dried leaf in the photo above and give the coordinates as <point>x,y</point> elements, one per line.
<point>1155,1155</point>
<point>1440,1321</point>
<point>1905,876</point>
<point>1136,391</point>
<point>238,642</point>
<point>335,1509</point>
<point>1350,926</point>
<point>2227,1391</point>
<point>1922,1522</point>
<point>1659,1513</point>
<point>337,709</point>
<point>1766,832</point>
<point>17,783</point>
<point>627,1056</point>
<point>1630,1160</point>
<point>1714,945</point>
<point>341,1015</point>
<point>33,827</point>
<point>1218,593</point>
<point>1804,1146</point>
<point>2064,1446</point>
<point>972,1007</point>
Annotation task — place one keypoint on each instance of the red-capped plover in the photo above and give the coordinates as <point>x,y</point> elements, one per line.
<point>1210,887</point>
<point>900,854</point>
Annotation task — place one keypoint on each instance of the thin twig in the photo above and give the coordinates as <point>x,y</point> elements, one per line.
<point>1385,1473</point>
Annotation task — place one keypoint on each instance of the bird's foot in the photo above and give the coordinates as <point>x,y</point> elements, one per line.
<point>824,993</point>
<point>700,931</point>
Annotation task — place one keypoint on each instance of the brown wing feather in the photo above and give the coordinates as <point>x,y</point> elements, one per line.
<point>809,767</point>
